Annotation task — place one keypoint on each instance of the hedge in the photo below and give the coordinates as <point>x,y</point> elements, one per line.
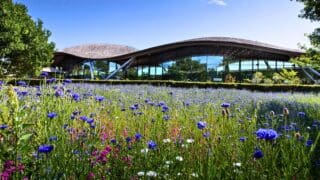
<point>184,84</point>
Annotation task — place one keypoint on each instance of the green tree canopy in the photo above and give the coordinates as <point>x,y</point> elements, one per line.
<point>188,69</point>
<point>24,46</point>
<point>311,11</point>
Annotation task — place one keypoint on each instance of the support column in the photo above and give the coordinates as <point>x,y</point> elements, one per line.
<point>240,75</point>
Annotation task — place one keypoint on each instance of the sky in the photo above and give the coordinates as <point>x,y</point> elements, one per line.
<point>147,23</point>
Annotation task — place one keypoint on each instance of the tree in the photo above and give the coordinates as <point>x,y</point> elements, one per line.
<point>24,46</point>
<point>311,11</point>
<point>188,69</point>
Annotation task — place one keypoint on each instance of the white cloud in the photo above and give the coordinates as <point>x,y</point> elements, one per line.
<point>218,2</point>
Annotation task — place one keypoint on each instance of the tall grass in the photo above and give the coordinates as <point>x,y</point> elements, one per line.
<point>140,132</point>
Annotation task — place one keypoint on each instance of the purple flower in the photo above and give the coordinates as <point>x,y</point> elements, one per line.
<point>201,125</point>
<point>165,108</point>
<point>90,121</point>
<point>152,145</point>
<point>267,134</point>
<point>206,134</point>
<point>138,136</point>
<point>3,126</point>
<point>58,93</point>
<point>309,143</point>
<point>52,80</point>
<point>22,83</point>
<point>243,139</point>
<point>67,81</point>
<point>84,118</point>
<point>225,105</point>
<point>45,148</point>
<point>44,74</point>
<point>53,138</point>
<point>166,117</point>
<point>257,154</point>
<point>99,98</point>
<point>128,139</point>
<point>301,114</point>
<point>52,115</point>
<point>133,107</point>
<point>76,97</point>
<point>161,103</point>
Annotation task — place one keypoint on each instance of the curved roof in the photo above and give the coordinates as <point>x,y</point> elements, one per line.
<point>232,47</point>
<point>98,51</point>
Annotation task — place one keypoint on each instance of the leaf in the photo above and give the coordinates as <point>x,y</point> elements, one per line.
<point>25,137</point>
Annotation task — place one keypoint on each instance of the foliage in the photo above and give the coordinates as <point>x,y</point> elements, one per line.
<point>132,132</point>
<point>24,43</point>
<point>230,78</point>
<point>312,57</point>
<point>286,77</point>
<point>187,69</point>
<point>257,78</point>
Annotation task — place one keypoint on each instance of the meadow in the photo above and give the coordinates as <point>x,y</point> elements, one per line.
<point>65,130</point>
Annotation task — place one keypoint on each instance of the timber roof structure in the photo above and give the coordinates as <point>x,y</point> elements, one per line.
<point>233,48</point>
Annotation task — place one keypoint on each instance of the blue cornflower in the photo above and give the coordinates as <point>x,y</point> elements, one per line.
<point>22,83</point>
<point>76,113</point>
<point>84,118</point>
<point>152,145</point>
<point>128,139</point>
<point>133,107</point>
<point>58,93</point>
<point>301,114</point>
<point>45,148</point>
<point>201,124</point>
<point>257,154</point>
<point>243,139</point>
<point>3,126</point>
<point>44,74</point>
<point>138,136</point>
<point>76,97</point>
<point>267,134</point>
<point>309,143</point>
<point>113,141</point>
<point>225,105</point>
<point>52,80</point>
<point>38,94</point>
<point>206,134</point>
<point>161,103</point>
<point>166,117</point>
<point>72,117</point>
<point>89,121</point>
<point>53,138</point>
<point>165,108</point>
<point>67,81</point>
<point>52,115</point>
<point>1,83</point>
<point>99,98</point>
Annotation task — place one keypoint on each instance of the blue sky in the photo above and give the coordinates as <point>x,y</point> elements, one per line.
<point>146,23</point>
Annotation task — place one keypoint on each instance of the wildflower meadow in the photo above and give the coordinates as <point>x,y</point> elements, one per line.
<point>65,130</point>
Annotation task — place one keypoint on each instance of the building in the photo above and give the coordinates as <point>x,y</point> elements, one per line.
<point>217,55</point>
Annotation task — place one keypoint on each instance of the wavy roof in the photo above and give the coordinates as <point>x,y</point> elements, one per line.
<point>233,47</point>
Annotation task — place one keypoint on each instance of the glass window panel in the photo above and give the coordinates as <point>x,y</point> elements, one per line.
<point>246,65</point>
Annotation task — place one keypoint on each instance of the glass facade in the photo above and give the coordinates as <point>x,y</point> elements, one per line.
<point>197,68</point>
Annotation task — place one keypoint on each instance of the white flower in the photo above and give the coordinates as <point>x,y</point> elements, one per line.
<point>179,174</point>
<point>144,151</point>
<point>141,173</point>
<point>169,162</point>
<point>166,140</point>
<point>151,174</point>
<point>179,158</point>
<point>237,164</point>
<point>190,141</point>
<point>194,175</point>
